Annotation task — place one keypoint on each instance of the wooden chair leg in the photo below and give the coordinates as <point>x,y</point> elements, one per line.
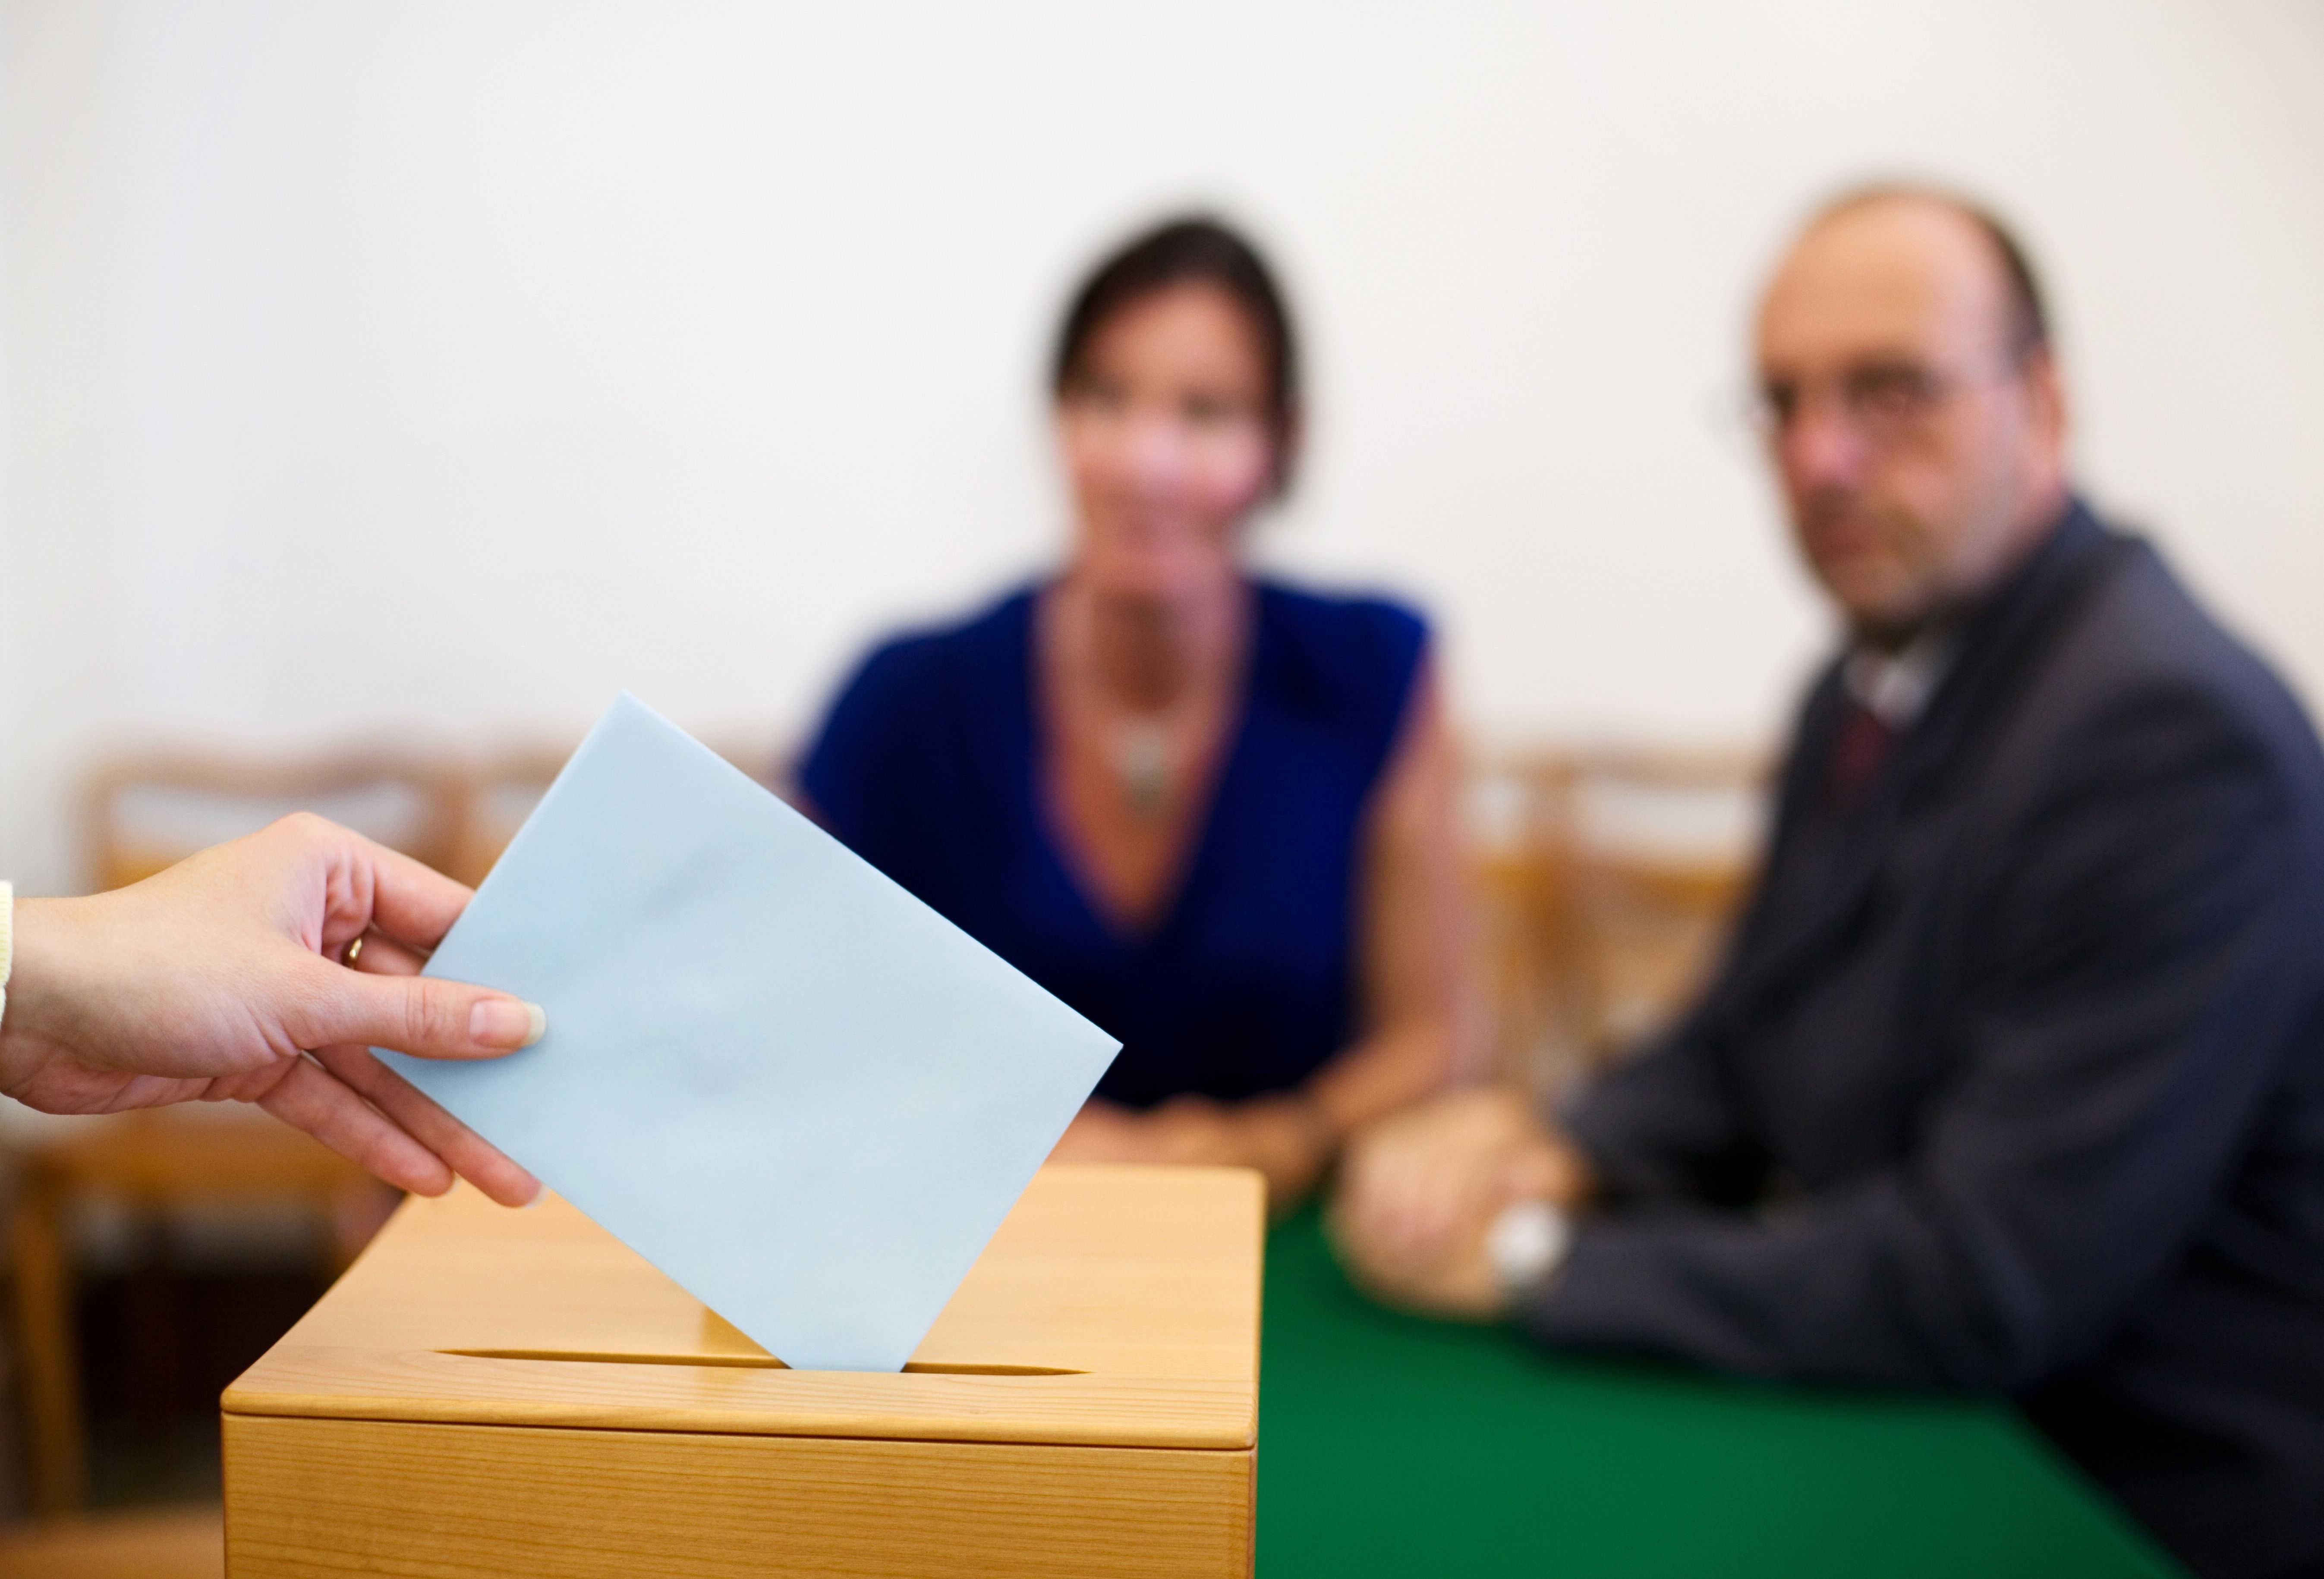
<point>45,1331</point>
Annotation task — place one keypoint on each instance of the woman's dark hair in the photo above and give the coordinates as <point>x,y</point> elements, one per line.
<point>1192,250</point>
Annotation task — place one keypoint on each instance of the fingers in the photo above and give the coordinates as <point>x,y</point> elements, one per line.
<point>1445,1274</point>
<point>1082,1144</point>
<point>420,1015</point>
<point>410,903</point>
<point>309,1098</point>
<point>1102,1132</point>
<point>1380,1267</point>
<point>383,956</point>
<point>397,1134</point>
<point>1193,1129</point>
<point>1416,1184</point>
<point>1418,1193</point>
<point>1459,1283</point>
<point>465,1151</point>
<point>1551,1170</point>
<point>1387,1183</point>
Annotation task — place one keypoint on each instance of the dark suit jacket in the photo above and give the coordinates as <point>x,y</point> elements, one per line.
<point>2012,1078</point>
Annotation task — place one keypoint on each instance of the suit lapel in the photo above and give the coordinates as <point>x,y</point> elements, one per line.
<point>1824,864</point>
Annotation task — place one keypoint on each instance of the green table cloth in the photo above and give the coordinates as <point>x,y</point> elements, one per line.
<point>1391,1445</point>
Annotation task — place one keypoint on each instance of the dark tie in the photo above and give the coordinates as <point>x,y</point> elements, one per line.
<point>1864,743</point>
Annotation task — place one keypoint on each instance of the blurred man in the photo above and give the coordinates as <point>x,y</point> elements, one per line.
<point>2012,1078</point>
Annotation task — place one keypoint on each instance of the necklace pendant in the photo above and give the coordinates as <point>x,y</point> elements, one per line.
<point>1141,760</point>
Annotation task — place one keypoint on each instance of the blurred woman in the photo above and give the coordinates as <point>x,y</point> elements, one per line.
<point>1212,812</point>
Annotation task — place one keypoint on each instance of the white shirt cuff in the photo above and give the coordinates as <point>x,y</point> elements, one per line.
<point>1527,1243</point>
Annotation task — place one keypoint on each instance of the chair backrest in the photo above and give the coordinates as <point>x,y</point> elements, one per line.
<point>1521,942</point>
<point>500,791</point>
<point>1609,875</point>
<point>148,810</point>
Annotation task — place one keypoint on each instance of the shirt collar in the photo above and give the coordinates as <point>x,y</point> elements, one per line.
<point>1895,686</point>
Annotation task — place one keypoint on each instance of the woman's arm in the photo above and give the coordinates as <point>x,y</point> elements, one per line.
<point>1418,924</point>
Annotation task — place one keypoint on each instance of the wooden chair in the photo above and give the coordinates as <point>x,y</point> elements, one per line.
<point>499,791</point>
<point>144,813</point>
<point>147,810</point>
<point>162,1543</point>
<point>497,795</point>
<point>1611,880</point>
<point>1658,848</point>
<point>152,1163</point>
<point>1520,933</point>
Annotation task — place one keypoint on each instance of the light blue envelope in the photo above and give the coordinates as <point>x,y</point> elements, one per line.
<point>786,1082</point>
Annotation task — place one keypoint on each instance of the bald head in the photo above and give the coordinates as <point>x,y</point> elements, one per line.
<point>1915,410</point>
<point>2028,320</point>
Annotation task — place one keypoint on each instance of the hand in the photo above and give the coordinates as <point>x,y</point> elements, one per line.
<point>1278,1135</point>
<point>215,979</point>
<point>1103,1132</point>
<point>1419,1190</point>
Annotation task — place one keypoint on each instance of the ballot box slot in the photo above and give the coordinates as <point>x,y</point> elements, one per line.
<point>743,1361</point>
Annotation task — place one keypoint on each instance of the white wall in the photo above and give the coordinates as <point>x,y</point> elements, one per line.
<point>63,583</point>
<point>445,366</point>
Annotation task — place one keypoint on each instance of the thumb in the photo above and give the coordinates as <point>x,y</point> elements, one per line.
<point>1537,1174</point>
<point>420,1015</point>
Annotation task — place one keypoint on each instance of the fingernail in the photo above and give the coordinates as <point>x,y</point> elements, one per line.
<point>506,1023</point>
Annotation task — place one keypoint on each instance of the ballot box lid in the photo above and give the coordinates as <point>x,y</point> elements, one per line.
<point>1116,1307</point>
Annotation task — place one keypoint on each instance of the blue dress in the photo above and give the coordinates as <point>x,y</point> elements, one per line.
<point>928,767</point>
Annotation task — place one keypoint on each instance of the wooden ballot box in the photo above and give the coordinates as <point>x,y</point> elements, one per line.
<point>498,1393</point>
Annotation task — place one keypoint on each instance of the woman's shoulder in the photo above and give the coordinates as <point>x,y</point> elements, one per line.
<point>1360,638</point>
<point>935,661</point>
<point>882,716</point>
<point>1344,662</point>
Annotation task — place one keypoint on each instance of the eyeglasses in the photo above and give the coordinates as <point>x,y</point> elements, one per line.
<point>1886,402</point>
